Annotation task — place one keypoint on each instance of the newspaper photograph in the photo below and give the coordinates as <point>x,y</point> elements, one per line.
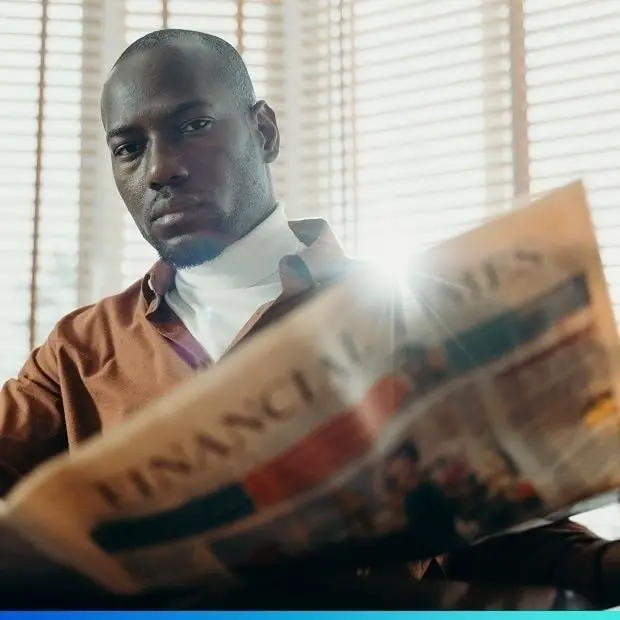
<point>477,394</point>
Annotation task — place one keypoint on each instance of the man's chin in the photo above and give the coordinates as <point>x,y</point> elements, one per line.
<point>191,252</point>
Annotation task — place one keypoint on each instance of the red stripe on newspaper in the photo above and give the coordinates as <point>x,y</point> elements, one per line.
<point>333,444</point>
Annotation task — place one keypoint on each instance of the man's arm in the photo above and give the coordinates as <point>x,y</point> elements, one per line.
<point>563,554</point>
<point>32,425</point>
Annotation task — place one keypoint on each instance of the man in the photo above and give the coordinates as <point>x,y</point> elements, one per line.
<point>190,148</point>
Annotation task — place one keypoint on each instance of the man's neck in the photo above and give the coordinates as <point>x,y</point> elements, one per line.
<point>249,260</point>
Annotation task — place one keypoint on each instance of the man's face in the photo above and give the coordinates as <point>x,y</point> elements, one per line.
<point>189,162</point>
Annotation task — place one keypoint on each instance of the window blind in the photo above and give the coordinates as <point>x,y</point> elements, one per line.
<point>573,107</point>
<point>41,80</point>
<point>430,138</point>
<point>454,107</point>
<point>402,123</point>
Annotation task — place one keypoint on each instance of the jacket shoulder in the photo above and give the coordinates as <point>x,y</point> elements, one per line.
<point>90,323</point>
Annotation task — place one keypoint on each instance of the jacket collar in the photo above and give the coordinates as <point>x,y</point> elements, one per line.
<point>322,260</point>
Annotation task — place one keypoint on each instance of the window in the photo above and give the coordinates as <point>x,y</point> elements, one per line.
<point>41,81</point>
<point>454,107</point>
<point>403,123</point>
<point>433,118</point>
<point>573,109</point>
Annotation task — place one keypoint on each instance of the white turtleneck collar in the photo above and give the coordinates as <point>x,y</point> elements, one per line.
<point>249,260</point>
<point>216,299</point>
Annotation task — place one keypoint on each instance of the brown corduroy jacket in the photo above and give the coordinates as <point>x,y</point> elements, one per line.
<point>103,362</point>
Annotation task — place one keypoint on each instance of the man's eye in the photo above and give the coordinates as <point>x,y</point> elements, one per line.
<point>127,150</point>
<point>196,125</point>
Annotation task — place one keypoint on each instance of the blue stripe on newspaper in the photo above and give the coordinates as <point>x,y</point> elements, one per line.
<point>473,349</point>
<point>488,342</point>
<point>195,517</point>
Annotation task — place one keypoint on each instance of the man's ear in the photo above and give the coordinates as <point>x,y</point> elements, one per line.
<point>268,130</point>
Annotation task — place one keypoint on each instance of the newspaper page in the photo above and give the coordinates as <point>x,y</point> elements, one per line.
<point>476,395</point>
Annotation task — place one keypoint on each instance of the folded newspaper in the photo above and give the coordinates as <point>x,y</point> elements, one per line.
<point>477,394</point>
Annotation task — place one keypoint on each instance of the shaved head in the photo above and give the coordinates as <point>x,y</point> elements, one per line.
<point>228,62</point>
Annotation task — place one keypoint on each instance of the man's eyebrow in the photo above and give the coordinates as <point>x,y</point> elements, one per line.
<point>117,131</point>
<point>188,105</point>
<point>176,110</point>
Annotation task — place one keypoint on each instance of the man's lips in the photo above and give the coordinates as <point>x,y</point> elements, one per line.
<point>173,218</point>
<point>175,205</point>
<point>182,215</point>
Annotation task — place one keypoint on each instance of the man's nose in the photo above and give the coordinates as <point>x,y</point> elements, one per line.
<point>165,167</point>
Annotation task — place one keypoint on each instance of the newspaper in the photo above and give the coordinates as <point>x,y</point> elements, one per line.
<point>477,394</point>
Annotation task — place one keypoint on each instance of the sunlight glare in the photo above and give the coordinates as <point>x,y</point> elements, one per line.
<point>390,260</point>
